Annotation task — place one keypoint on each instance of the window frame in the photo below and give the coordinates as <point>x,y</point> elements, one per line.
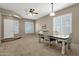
<point>61,18</point>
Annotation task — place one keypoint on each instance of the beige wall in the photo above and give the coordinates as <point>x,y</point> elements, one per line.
<point>0,24</point>
<point>75,21</point>
<point>48,21</point>
<point>0,28</point>
<point>22,27</point>
<point>4,12</point>
<point>45,20</point>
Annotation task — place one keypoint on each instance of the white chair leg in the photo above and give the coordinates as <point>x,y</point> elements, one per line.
<point>56,41</point>
<point>49,43</point>
<point>69,45</point>
<point>63,48</point>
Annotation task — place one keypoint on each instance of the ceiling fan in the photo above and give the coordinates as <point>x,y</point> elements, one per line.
<point>31,12</point>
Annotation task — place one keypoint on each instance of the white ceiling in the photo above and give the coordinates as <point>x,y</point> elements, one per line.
<point>42,8</point>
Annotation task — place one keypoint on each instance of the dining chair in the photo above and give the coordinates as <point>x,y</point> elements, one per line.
<point>43,35</point>
<point>46,34</point>
<point>48,38</point>
<point>70,40</point>
<point>51,39</point>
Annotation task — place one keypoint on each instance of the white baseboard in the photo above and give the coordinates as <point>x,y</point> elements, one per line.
<point>75,45</point>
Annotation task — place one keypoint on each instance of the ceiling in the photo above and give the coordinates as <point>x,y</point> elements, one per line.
<point>42,8</point>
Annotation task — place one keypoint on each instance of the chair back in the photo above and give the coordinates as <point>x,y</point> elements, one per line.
<point>70,37</point>
<point>46,33</point>
<point>40,34</point>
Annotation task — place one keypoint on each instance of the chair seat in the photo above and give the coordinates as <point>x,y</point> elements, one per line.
<point>61,42</point>
<point>51,38</point>
<point>42,37</point>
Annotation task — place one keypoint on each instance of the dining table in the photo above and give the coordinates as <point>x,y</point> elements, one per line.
<point>63,39</point>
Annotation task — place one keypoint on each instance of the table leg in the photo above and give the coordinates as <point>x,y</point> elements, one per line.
<point>63,48</point>
<point>56,41</point>
<point>43,40</point>
<point>39,39</point>
<point>0,41</point>
<point>69,45</point>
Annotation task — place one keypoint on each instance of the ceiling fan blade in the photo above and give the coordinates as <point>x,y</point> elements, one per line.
<point>34,12</point>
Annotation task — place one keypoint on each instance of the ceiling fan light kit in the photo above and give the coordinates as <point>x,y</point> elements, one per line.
<point>30,14</point>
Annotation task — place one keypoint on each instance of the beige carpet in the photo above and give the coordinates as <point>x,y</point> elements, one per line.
<point>29,46</point>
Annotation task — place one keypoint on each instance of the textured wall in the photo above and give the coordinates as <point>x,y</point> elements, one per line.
<point>75,21</point>
<point>0,24</point>
<point>45,20</point>
<point>22,26</point>
<point>5,14</point>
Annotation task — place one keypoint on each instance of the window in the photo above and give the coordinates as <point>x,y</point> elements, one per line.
<point>62,25</point>
<point>8,28</point>
<point>11,27</point>
<point>16,26</point>
<point>29,27</point>
<point>57,25</point>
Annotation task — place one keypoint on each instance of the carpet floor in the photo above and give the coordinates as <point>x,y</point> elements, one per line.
<point>30,46</point>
